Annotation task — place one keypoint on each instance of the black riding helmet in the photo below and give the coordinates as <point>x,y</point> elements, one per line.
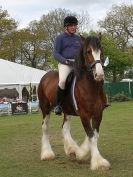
<point>70,20</point>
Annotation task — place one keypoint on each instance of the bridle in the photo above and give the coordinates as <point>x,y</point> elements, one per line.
<point>94,62</point>
<point>92,65</point>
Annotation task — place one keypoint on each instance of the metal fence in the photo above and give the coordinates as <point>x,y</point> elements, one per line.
<point>125,88</point>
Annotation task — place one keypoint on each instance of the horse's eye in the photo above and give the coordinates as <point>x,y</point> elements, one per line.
<point>89,52</point>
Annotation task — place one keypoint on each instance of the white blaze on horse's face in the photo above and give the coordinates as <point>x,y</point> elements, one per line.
<point>98,69</point>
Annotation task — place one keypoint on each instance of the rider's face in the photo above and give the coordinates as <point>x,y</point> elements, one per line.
<point>71,28</point>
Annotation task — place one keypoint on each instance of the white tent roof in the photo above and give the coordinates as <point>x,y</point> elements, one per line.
<point>12,73</point>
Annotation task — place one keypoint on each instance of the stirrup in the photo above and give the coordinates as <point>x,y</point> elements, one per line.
<point>58,110</point>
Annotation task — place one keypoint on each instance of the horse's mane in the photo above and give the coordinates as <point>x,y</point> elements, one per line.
<point>79,63</point>
<point>93,42</point>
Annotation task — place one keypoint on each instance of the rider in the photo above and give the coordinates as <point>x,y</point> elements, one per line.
<point>65,47</point>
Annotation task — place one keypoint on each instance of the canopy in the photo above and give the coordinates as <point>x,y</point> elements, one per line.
<point>16,74</point>
<point>13,75</point>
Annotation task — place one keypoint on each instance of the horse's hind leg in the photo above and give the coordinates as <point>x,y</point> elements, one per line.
<point>70,146</point>
<point>83,152</point>
<point>46,150</point>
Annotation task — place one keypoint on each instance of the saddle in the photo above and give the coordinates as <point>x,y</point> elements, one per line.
<point>69,80</point>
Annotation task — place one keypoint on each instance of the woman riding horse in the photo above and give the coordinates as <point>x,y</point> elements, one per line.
<point>65,48</point>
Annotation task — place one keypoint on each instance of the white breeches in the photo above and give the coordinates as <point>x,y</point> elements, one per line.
<point>64,71</point>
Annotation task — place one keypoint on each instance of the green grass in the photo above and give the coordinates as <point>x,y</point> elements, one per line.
<point>20,144</point>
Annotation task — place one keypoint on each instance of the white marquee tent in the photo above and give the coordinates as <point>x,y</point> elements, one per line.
<point>13,75</point>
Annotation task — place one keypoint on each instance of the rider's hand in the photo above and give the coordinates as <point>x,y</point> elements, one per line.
<point>69,62</point>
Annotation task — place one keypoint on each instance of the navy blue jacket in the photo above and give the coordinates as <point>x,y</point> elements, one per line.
<point>66,46</point>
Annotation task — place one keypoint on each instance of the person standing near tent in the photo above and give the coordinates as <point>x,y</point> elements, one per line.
<point>65,48</point>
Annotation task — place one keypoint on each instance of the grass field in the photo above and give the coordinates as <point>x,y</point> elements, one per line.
<point>20,143</point>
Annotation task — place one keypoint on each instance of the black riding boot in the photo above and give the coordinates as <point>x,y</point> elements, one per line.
<point>59,98</point>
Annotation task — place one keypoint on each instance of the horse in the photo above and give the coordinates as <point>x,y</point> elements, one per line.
<point>90,99</point>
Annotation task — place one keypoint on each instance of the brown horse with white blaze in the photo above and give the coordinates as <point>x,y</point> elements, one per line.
<point>90,99</point>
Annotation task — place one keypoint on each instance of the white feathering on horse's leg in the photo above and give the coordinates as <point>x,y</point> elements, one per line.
<point>82,153</point>
<point>97,161</point>
<point>46,151</point>
<point>70,146</point>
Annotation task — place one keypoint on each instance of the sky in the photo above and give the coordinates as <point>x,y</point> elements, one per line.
<point>25,11</point>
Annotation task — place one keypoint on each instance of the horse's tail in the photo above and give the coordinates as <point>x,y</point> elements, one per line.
<point>43,101</point>
<point>40,93</point>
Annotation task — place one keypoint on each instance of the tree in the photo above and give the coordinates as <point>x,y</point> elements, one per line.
<point>84,22</point>
<point>119,24</point>
<point>8,47</point>
<point>31,46</point>
<point>119,60</point>
<point>7,27</point>
<point>53,24</point>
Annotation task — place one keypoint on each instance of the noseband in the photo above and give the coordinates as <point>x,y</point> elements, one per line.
<point>90,66</point>
<point>94,62</point>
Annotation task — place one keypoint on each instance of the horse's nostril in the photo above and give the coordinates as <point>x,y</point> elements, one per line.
<point>95,75</point>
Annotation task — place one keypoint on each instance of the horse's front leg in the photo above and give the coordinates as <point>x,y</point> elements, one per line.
<point>46,151</point>
<point>97,161</point>
<point>70,146</point>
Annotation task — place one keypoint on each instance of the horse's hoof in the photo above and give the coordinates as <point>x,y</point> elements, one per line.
<point>72,155</point>
<point>48,156</point>
<point>101,168</point>
<point>101,165</point>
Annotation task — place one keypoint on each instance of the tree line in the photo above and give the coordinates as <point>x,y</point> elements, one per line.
<point>33,45</point>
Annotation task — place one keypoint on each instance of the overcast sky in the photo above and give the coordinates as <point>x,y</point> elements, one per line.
<point>25,11</point>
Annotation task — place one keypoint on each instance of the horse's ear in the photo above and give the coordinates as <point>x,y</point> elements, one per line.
<point>82,38</point>
<point>100,36</point>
